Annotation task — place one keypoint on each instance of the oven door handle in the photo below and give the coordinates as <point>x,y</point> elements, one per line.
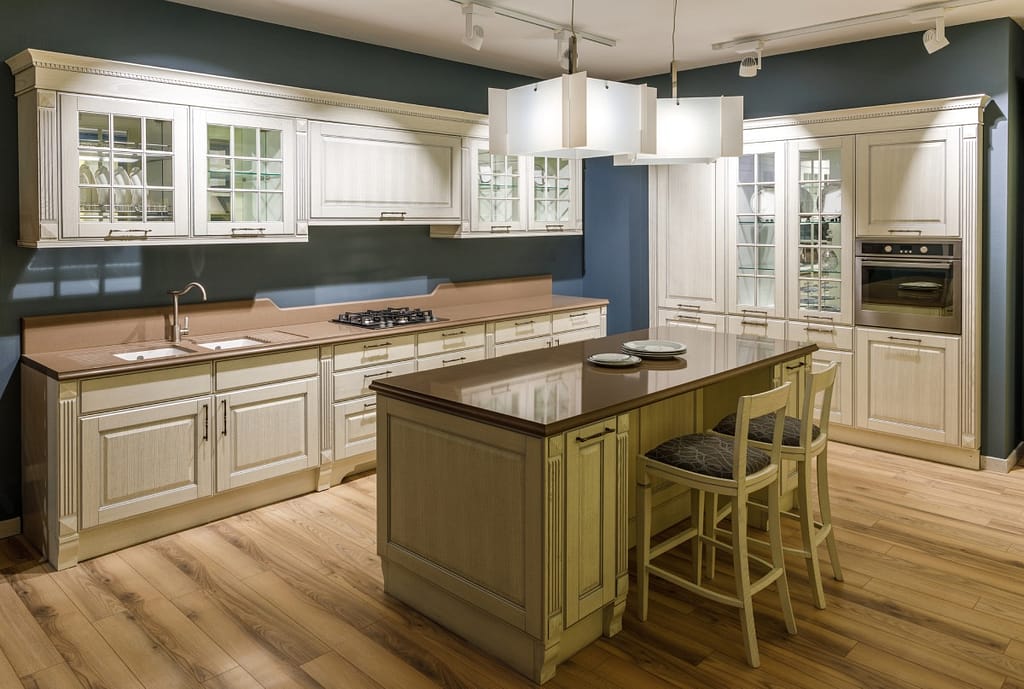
<point>866,263</point>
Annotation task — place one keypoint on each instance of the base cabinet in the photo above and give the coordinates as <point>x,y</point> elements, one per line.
<point>908,383</point>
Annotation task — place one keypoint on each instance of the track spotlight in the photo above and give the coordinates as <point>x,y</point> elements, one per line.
<point>474,36</point>
<point>935,39</point>
<point>750,65</point>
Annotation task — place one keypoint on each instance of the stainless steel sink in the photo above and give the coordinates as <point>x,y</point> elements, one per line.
<point>233,343</point>
<point>157,353</point>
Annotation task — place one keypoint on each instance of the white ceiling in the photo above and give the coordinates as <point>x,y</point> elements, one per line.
<point>641,28</point>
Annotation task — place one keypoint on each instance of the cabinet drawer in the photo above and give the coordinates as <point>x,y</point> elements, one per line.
<point>829,336</point>
<point>453,359</point>
<point>356,382</point>
<point>576,336</point>
<point>355,427</point>
<point>377,351</point>
<point>265,368</point>
<point>450,340</point>
<point>521,346</point>
<point>575,320</point>
<point>133,389</point>
<point>712,322</point>
<point>521,328</point>
<point>764,327</point>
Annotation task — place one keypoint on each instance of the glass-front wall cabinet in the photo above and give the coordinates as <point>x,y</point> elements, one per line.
<point>821,259</point>
<point>553,202</point>
<point>499,202</point>
<point>757,212</point>
<point>244,181</point>
<point>126,168</point>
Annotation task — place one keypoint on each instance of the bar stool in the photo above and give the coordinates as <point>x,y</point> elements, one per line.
<point>802,441</point>
<point>710,463</point>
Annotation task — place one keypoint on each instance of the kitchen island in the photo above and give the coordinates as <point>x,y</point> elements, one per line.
<point>505,487</point>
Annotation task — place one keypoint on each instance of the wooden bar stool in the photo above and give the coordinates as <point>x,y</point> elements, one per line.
<point>710,463</point>
<point>802,441</point>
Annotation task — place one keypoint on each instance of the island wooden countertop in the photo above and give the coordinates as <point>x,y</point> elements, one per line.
<point>548,391</point>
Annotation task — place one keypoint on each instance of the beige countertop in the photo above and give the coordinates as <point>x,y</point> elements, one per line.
<point>85,345</point>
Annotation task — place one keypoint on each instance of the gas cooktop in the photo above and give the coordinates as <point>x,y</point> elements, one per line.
<point>391,317</point>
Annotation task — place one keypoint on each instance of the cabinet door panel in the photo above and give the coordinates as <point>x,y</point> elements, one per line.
<point>266,432</point>
<point>146,458</point>
<point>451,340</point>
<point>521,328</point>
<point>692,320</point>
<point>355,427</point>
<point>842,391</point>
<point>575,320</point>
<point>356,382</point>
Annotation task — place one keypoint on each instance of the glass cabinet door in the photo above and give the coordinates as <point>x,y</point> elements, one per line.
<point>820,240</point>
<point>243,182</point>
<point>498,201</point>
<point>758,205</point>
<point>554,191</point>
<point>126,167</point>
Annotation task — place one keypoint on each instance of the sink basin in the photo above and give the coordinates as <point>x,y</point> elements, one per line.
<point>158,353</point>
<point>232,344</point>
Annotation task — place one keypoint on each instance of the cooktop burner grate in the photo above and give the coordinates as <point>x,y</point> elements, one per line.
<point>391,317</point>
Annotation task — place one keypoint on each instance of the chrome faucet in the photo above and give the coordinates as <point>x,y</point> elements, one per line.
<point>177,330</point>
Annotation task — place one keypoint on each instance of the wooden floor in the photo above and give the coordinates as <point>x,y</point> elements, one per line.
<point>290,596</point>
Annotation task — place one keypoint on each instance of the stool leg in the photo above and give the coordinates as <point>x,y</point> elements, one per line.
<point>643,535</point>
<point>779,557</point>
<point>805,502</point>
<point>697,523</point>
<point>710,524</point>
<point>741,567</point>
<point>826,513</point>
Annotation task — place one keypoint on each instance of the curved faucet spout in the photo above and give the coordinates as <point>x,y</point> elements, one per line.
<point>177,330</point>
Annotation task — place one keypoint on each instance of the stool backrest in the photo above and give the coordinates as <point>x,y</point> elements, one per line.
<point>822,383</point>
<point>751,406</point>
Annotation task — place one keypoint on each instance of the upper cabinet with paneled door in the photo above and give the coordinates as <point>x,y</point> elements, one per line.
<point>370,175</point>
<point>517,196</point>
<point>908,183</point>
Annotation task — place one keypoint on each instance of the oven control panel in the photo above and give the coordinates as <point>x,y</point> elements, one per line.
<point>934,249</point>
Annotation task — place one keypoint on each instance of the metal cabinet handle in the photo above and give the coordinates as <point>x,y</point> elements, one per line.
<point>375,346</point>
<point>688,307</point>
<point>392,215</point>
<point>369,405</point>
<point>454,334</point>
<point>117,234</point>
<point>581,314</point>
<point>248,231</point>
<point>905,339</point>
<point>816,329</point>
<point>905,231</point>
<point>814,317</point>
<point>452,361</point>
<point>759,324</point>
<point>756,312</point>
<point>606,431</point>
<point>793,367</point>
<point>376,375</point>
<point>680,317</point>
<point>224,408</point>
<point>554,228</point>
<point>501,228</point>
<point>206,422</point>
<point>529,322</point>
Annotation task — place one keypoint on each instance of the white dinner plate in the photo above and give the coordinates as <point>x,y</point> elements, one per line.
<point>613,359</point>
<point>654,347</point>
<point>921,285</point>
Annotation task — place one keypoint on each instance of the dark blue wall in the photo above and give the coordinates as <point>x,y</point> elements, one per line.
<point>981,58</point>
<point>338,264</point>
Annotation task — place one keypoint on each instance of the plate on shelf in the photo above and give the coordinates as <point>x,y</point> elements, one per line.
<point>832,204</point>
<point>920,285</point>
<point>615,359</point>
<point>654,349</point>
<point>764,201</point>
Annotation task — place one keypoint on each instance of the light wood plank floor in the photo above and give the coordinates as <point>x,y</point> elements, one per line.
<point>290,596</point>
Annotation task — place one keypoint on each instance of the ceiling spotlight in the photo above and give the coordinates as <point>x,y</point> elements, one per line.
<point>474,36</point>
<point>751,62</point>
<point>935,39</point>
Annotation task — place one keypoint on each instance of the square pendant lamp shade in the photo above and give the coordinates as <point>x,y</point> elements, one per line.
<point>573,116</point>
<point>694,130</point>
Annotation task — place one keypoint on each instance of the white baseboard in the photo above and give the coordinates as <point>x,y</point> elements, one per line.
<point>10,527</point>
<point>1003,466</point>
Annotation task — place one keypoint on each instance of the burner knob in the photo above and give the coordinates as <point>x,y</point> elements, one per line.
<point>924,249</point>
<point>887,248</point>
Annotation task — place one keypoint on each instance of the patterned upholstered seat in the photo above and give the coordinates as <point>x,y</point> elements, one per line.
<point>710,455</point>
<point>761,429</point>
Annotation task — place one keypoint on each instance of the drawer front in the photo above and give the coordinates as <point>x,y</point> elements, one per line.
<point>576,336</point>
<point>521,346</point>
<point>133,389</point>
<point>453,359</point>
<point>356,382</point>
<point>450,340</point>
<point>711,322</point>
<point>376,351</point>
<point>355,427</point>
<point>265,368</point>
<point>763,327</point>
<point>522,328</point>
<point>825,335</point>
<point>575,320</point>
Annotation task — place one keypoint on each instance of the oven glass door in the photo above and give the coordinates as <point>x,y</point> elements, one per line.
<point>909,294</point>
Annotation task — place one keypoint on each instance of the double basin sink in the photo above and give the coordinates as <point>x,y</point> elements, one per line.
<point>174,350</point>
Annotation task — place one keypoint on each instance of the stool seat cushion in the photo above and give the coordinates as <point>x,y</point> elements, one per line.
<point>710,455</point>
<point>762,427</point>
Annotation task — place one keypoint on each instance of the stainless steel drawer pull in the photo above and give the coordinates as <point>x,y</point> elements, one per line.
<point>452,361</point>
<point>905,231</point>
<point>248,231</point>
<point>905,339</point>
<point>224,409</point>
<point>688,307</point>
<point>375,346</point>
<point>454,334</point>
<point>812,317</point>
<point>595,435</point>
<point>793,367</point>
<point>376,375</point>
<point>128,234</point>
<point>519,323</point>
<point>392,215</point>
<point>816,329</point>
<point>756,312</point>
<point>582,314</point>
<point>554,228</point>
<point>759,324</point>
<point>206,422</point>
<point>369,405</point>
<point>501,228</point>
<point>680,317</point>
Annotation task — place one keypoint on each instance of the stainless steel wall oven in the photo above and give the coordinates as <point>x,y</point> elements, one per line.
<point>909,284</point>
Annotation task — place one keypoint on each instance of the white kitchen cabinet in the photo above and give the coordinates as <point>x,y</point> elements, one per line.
<point>842,390</point>
<point>819,231</point>
<point>463,356</point>
<point>361,174</point>
<point>692,320</point>
<point>756,234</point>
<point>526,327</point>
<point>244,179</point>
<point>355,427</point>
<point>908,183</point>
<point>908,383</point>
<point>449,340</point>
<point>556,199</point>
<point>690,263</point>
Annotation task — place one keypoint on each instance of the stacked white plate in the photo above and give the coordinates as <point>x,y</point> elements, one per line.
<point>613,359</point>
<point>654,349</point>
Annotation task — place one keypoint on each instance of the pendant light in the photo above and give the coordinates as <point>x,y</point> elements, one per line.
<point>692,130</point>
<point>572,116</point>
